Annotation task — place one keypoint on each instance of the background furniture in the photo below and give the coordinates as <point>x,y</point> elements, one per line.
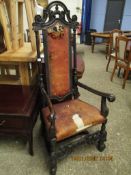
<point>19,109</point>
<point>18,72</point>
<point>21,66</point>
<point>127,34</point>
<point>18,62</point>
<point>105,36</point>
<point>65,118</point>
<point>122,59</point>
<point>114,33</point>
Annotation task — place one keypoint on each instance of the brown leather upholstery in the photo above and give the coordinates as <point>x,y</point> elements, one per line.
<point>65,125</point>
<point>59,66</point>
<point>80,66</point>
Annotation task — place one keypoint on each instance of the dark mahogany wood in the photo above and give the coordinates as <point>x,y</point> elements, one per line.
<point>18,111</point>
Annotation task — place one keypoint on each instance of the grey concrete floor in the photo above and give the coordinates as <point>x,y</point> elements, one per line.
<point>14,157</point>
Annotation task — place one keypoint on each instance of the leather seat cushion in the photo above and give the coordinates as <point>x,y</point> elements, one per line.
<point>72,116</point>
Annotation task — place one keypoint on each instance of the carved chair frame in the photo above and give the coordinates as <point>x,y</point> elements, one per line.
<point>60,149</point>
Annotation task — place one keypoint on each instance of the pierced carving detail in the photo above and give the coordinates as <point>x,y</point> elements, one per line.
<point>55,11</point>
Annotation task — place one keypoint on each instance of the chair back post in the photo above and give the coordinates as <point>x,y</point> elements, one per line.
<point>121,47</point>
<point>116,48</point>
<point>112,46</point>
<point>38,56</point>
<point>74,50</point>
<point>115,33</point>
<point>129,53</point>
<point>75,79</point>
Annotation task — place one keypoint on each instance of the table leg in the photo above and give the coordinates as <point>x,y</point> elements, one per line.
<point>92,43</point>
<point>107,47</point>
<point>24,73</point>
<point>31,152</point>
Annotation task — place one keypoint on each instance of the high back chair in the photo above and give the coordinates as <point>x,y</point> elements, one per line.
<point>123,57</point>
<point>65,118</point>
<point>114,33</point>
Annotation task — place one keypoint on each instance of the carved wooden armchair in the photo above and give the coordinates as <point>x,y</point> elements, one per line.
<point>65,118</point>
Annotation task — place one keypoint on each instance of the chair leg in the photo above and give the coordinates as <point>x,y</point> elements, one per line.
<point>115,67</point>
<point>108,63</point>
<point>53,165</point>
<point>31,144</point>
<point>125,78</point>
<point>118,74</point>
<point>106,56</point>
<point>103,134</point>
<point>53,158</point>
<point>107,50</point>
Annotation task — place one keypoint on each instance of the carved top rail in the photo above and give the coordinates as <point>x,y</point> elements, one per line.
<point>55,11</point>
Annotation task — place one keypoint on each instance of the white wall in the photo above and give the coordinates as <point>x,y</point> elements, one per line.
<point>98,12</point>
<point>71,5</point>
<point>126,21</point>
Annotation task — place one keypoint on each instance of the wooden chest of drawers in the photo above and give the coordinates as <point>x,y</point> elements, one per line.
<point>19,109</point>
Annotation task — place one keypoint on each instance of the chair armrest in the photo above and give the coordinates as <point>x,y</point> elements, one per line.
<point>52,111</point>
<point>104,96</point>
<point>110,97</point>
<point>45,95</point>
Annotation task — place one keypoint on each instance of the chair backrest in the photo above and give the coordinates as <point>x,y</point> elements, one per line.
<point>59,41</point>
<point>115,33</point>
<point>121,47</point>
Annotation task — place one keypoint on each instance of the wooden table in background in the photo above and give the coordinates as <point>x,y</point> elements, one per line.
<point>128,34</point>
<point>105,36</point>
<point>25,59</point>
